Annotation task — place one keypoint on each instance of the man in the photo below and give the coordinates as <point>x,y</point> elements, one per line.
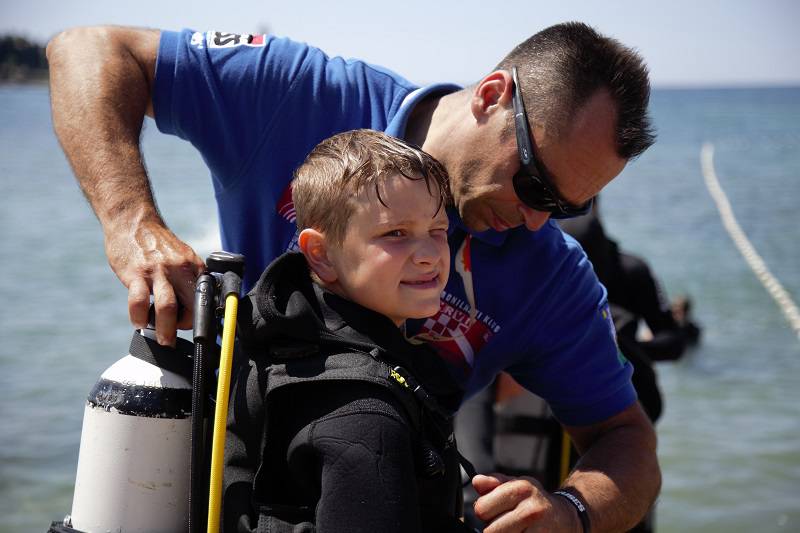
<point>255,106</point>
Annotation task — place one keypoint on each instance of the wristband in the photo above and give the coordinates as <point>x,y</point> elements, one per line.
<point>583,514</point>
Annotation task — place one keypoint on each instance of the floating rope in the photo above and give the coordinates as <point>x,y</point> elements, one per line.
<point>754,261</point>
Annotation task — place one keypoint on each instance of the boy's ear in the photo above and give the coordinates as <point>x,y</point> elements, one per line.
<point>314,246</point>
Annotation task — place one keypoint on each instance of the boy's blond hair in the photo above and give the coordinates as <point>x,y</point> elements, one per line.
<point>342,166</point>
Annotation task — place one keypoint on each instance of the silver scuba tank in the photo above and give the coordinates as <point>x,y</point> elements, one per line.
<point>133,464</point>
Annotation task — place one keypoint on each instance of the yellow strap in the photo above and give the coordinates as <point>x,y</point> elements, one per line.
<point>566,448</point>
<point>221,413</point>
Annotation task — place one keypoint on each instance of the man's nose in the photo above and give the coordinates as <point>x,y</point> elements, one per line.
<point>534,219</point>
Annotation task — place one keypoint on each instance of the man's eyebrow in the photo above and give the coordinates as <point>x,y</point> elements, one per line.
<point>541,167</point>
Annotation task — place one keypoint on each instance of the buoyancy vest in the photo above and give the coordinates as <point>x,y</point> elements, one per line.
<point>299,339</point>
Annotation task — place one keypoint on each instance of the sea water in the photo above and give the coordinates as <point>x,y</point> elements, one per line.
<point>729,439</point>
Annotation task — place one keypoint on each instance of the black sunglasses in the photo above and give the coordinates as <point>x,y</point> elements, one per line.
<point>531,183</point>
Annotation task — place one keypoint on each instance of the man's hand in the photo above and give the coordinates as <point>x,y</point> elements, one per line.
<point>512,505</point>
<point>150,259</point>
<point>617,477</point>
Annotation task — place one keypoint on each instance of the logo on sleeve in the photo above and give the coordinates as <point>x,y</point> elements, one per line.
<point>605,311</point>
<point>219,39</point>
<point>285,207</point>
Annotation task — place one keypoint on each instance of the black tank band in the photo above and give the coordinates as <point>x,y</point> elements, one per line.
<point>140,400</point>
<point>177,360</point>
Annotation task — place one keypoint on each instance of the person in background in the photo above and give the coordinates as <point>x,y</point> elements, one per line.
<point>538,136</point>
<point>634,293</point>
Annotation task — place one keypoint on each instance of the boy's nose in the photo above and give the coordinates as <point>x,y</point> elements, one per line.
<point>428,251</point>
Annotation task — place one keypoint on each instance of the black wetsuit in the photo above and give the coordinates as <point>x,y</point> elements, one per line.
<point>338,444</point>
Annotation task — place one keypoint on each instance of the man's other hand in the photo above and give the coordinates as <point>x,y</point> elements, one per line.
<point>516,505</point>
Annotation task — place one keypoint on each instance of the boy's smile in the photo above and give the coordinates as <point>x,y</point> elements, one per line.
<point>394,257</point>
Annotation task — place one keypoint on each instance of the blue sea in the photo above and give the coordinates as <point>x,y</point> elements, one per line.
<point>729,440</point>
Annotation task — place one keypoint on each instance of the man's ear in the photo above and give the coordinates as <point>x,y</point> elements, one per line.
<point>314,246</point>
<point>493,92</point>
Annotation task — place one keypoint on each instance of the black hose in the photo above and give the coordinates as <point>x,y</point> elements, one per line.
<point>197,477</point>
<point>205,336</point>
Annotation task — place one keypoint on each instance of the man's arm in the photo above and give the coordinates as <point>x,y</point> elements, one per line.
<point>100,88</point>
<point>617,478</point>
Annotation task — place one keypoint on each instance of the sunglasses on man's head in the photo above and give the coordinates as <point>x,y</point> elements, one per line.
<point>531,184</point>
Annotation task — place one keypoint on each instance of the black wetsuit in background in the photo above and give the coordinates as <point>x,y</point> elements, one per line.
<point>633,291</point>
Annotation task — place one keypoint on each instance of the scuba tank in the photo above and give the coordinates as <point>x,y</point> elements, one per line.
<point>133,464</point>
<point>143,464</point>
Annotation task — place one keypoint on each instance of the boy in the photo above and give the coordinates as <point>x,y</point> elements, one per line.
<point>339,423</point>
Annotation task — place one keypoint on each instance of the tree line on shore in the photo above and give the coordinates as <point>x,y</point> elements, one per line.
<point>21,60</point>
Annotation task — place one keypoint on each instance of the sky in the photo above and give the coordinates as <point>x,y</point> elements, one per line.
<point>691,43</point>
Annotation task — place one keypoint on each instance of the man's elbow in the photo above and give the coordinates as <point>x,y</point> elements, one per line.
<point>94,41</point>
<point>71,39</point>
<point>648,443</point>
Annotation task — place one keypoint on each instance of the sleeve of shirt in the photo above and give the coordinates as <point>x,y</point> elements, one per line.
<point>220,92</point>
<point>578,367</point>
<point>367,476</point>
<point>230,94</point>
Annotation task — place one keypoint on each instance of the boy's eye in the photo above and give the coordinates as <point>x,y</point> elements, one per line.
<point>394,233</point>
<point>439,232</point>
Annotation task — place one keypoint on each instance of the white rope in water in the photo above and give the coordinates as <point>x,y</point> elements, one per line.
<point>754,261</point>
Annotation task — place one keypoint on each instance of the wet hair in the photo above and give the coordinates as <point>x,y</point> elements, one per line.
<point>562,66</point>
<point>339,168</point>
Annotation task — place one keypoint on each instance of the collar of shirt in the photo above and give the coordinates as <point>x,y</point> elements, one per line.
<point>490,237</point>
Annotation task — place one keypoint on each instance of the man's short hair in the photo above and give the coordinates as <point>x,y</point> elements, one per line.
<point>562,66</point>
<point>341,167</point>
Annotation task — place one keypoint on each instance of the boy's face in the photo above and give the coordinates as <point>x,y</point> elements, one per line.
<point>394,260</point>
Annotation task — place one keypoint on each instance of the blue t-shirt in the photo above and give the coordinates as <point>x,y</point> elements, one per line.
<point>525,302</point>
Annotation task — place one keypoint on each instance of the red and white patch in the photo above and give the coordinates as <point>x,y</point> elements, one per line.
<point>219,39</point>
<point>455,336</point>
<point>285,206</point>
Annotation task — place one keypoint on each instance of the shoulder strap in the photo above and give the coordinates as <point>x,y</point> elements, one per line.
<point>441,415</point>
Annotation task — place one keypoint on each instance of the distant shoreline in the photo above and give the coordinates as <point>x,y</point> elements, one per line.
<point>22,61</point>
<point>732,87</point>
<point>38,78</point>
<point>25,81</point>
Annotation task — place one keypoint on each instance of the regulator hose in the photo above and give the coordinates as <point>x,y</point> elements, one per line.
<point>231,285</point>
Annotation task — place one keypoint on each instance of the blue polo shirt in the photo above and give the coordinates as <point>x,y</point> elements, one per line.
<point>528,303</point>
